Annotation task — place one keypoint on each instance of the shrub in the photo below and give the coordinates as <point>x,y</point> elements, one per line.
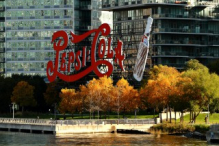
<point>172,128</point>
<point>202,128</point>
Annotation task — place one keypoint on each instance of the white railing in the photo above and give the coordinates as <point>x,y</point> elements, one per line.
<point>27,121</point>
<point>104,121</point>
<point>76,122</point>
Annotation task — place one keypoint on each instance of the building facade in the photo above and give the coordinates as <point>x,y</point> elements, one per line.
<point>182,29</point>
<point>2,38</point>
<point>27,27</point>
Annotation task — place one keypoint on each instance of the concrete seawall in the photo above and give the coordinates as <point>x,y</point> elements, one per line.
<point>28,128</point>
<point>107,128</point>
<point>73,126</point>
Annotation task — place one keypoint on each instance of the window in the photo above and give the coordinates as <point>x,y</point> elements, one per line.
<point>48,2</point>
<point>57,2</point>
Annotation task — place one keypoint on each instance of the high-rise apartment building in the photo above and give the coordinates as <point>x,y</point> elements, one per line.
<point>182,29</point>
<point>27,27</point>
<point>2,37</point>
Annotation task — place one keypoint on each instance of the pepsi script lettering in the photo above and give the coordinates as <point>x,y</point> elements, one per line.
<point>77,60</point>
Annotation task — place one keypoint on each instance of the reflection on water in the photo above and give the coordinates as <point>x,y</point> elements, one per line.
<point>27,139</point>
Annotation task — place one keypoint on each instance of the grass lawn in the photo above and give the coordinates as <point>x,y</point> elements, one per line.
<point>114,117</point>
<point>214,118</point>
<point>76,116</point>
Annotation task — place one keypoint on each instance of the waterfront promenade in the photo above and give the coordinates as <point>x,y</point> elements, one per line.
<point>73,126</point>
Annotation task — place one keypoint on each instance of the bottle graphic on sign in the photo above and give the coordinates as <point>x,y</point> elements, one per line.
<point>143,52</point>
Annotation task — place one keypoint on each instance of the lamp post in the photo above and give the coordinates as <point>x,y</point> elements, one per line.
<point>55,111</point>
<point>13,103</point>
<point>208,114</point>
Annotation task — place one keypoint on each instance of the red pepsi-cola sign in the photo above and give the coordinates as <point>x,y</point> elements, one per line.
<point>77,60</point>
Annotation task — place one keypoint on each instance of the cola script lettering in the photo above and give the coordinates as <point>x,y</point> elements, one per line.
<point>78,59</point>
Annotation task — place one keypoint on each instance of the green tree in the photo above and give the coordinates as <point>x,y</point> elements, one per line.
<point>194,64</point>
<point>204,88</point>
<point>179,98</point>
<point>23,95</point>
<point>214,106</point>
<point>213,92</point>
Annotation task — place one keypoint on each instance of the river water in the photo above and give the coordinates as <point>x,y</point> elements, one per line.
<point>28,139</point>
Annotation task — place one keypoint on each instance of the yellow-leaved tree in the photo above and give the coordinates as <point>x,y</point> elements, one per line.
<point>83,92</point>
<point>125,97</point>
<point>70,101</point>
<point>23,95</point>
<point>51,95</point>
<point>106,84</point>
<point>97,95</point>
<point>90,96</point>
<point>160,87</point>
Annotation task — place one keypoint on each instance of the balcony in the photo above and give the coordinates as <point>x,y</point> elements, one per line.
<point>182,42</point>
<point>140,3</point>
<point>206,54</point>
<point>171,53</point>
<point>183,16</point>
<point>131,18</point>
<point>183,30</point>
<point>213,43</point>
<point>186,54</point>
<point>204,3</point>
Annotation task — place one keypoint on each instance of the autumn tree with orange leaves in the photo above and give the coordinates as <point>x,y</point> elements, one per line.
<point>70,101</point>
<point>51,95</point>
<point>93,99</point>
<point>106,94</point>
<point>82,93</point>
<point>160,87</point>
<point>125,97</point>
<point>23,95</point>
<point>98,94</point>
<point>193,90</point>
